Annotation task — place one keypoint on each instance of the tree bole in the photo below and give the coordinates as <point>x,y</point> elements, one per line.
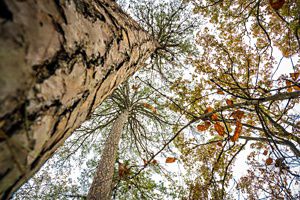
<point>59,61</point>
<point>103,179</point>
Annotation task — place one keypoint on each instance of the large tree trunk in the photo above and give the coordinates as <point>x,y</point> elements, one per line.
<point>59,60</point>
<point>103,179</point>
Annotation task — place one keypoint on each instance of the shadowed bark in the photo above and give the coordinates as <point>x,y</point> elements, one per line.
<point>59,60</point>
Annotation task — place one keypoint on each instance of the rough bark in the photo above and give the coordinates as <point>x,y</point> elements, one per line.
<point>59,60</point>
<point>103,179</point>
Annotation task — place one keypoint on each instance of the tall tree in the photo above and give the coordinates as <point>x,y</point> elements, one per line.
<point>59,61</point>
<point>101,187</point>
<point>131,110</point>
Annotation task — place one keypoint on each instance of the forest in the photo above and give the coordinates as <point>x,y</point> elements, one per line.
<point>150,99</point>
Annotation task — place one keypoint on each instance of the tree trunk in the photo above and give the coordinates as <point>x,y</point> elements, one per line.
<point>102,183</point>
<point>59,60</point>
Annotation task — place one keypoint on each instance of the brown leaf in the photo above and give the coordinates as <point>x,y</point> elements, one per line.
<point>269,161</point>
<point>219,144</point>
<point>276,4</point>
<point>219,128</point>
<point>123,170</point>
<point>214,117</point>
<point>238,114</point>
<point>154,162</point>
<point>145,162</point>
<point>208,110</point>
<point>170,159</point>
<point>229,102</point>
<point>265,152</point>
<point>203,127</point>
<point>219,91</point>
<point>135,87</point>
<point>237,131</point>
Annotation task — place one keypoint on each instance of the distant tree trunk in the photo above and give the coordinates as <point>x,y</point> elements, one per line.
<point>103,179</point>
<point>59,60</point>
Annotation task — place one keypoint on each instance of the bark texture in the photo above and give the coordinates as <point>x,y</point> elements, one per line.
<point>59,60</point>
<point>103,179</point>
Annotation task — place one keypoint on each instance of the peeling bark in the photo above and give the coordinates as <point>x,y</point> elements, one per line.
<point>103,179</point>
<point>59,60</point>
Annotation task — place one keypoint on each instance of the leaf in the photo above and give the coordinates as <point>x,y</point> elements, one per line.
<point>238,114</point>
<point>294,76</point>
<point>170,159</point>
<point>265,152</point>
<point>269,161</point>
<point>296,87</point>
<point>154,162</point>
<point>289,85</point>
<point>277,4</point>
<point>145,162</point>
<point>214,117</point>
<point>150,107</point>
<point>135,87</point>
<point>123,170</point>
<point>203,127</point>
<point>229,102</point>
<point>219,91</point>
<point>219,128</point>
<point>237,131</point>
<point>208,110</point>
<point>219,144</point>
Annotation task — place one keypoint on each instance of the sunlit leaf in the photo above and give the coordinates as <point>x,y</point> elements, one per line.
<point>203,127</point>
<point>214,117</point>
<point>170,159</point>
<point>289,85</point>
<point>208,109</point>
<point>219,91</point>
<point>294,76</point>
<point>237,131</point>
<point>219,128</point>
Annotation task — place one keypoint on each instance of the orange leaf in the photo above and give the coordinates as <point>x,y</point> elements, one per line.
<point>170,159</point>
<point>296,87</point>
<point>269,161</point>
<point>289,85</point>
<point>219,128</point>
<point>277,4</point>
<point>295,76</point>
<point>148,106</point>
<point>208,110</point>
<point>219,91</point>
<point>237,131</point>
<point>237,114</point>
<point>229,102</point>
<point>265,152</point>
<point>203,127</point>
<point>214,117</point>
